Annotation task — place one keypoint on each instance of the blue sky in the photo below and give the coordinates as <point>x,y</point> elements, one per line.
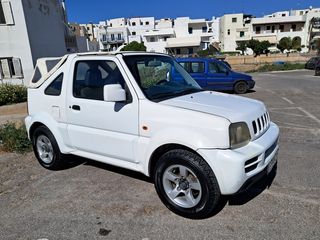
<point>99,10</point>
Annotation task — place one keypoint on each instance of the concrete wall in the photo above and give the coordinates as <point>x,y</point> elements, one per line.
<point>246,63</point>
<point>46,29</point>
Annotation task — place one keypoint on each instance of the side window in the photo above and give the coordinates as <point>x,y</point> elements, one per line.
<point>215,67</point>
<point>54,89</point>
<point>91,76</point>
<point>185,65</point>
<point>197,67</point>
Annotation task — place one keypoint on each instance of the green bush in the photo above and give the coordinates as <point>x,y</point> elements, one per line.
<point>10,94</point>
<point>280,67</point>
<point>135,46</point>
<point>14,138</point>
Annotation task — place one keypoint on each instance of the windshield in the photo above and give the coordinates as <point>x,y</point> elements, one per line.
<point>161,77</point>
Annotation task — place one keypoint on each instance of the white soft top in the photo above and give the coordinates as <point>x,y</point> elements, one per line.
<point>44,69</point>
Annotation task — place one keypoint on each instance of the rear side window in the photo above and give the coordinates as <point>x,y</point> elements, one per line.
<point>197,67</point>
<point>91,76</point>
<point>54,89</point>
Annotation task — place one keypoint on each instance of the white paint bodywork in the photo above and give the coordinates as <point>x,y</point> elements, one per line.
<point>127,135</point>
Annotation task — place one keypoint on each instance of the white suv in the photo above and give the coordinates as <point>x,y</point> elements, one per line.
<point>128,109</point>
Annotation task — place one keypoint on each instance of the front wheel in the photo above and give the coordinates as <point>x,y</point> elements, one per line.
<point>186,184</point>
<point>240,87</point>
<point>317,72</point>
<point>46,149</point>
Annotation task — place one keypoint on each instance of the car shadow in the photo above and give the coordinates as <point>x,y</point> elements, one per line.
<point>74,161</point>
<point>253,191</point>
<point>238,199</point>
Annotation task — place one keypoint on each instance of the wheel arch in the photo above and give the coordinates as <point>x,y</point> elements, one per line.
<point>47,121</point>
<point>158,152</point>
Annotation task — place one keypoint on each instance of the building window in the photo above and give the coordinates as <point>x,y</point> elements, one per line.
<point>119,36</point>
<point>234,20</point>
<point>283,14</point>
<point>104,38</point>
<point>152,39</point>
<point>281,28</point>
<point>204,29</point>
<point>178,51</point>
<point>294,27</point>
<point>134,33</point>
<point>301,12</point>
<point>268,28</point>
<point>258,30</point>
<point>112,37</point>
<point>228,31</point>
<point>242,34</point>
<point>2,18</point>
<point>110,24</point>
<point>190,50</point>
<point>273,29</point>
<point>190,30</point>
<point>147,23</point>
<point>133,23</point>
<point>6,16</point>
<point>10,68</point>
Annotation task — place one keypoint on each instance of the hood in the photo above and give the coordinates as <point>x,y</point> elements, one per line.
<point>234,108</point>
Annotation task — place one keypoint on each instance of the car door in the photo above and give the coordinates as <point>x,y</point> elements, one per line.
<point>218,77</point>
<point>108,129</point>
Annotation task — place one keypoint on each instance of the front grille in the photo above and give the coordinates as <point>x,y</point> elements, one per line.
<point>260,124</point>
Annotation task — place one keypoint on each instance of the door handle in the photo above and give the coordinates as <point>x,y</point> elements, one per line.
<point>76,107</point>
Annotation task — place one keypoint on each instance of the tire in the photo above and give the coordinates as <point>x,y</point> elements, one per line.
<point>46,149</point>
<point>186,184</point>
<point>317,72</point>
<point>240,87</point>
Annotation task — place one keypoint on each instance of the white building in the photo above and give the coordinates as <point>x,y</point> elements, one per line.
<point>29,30</point>
<point>180,36</point>
<point>234,28</point>
<point>295,24</point>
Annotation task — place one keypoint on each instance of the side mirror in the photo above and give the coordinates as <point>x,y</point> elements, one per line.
<point>114,93</point>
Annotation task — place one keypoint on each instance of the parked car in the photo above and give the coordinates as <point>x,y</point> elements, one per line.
<point>317,69</point>
<point>311,64</point>
<point>213,74</point>
<point>128,110</point>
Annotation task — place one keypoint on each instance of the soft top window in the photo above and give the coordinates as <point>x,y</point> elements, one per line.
<point>44,69</point>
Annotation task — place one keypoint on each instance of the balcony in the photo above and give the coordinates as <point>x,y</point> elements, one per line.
<point>111,40</point>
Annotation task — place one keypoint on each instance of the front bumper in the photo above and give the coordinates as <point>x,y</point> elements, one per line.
<point>234,167</point>
<point>251,84</point>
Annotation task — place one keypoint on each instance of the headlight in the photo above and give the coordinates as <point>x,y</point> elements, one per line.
<point>239,135</point>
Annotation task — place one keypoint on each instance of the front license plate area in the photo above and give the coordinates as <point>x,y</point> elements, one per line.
<point>272,163</point>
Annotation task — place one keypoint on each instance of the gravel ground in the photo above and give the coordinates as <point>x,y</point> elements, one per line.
<point>96,201</point>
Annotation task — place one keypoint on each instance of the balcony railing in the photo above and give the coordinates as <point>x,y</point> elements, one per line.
<point>112,40</point>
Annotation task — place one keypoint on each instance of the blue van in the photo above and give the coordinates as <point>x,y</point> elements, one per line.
<point>213,74</point>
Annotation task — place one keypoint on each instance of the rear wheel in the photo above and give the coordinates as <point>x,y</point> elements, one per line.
<point>186,184</point>
<point>46,149</point>
<point>240,87</point>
